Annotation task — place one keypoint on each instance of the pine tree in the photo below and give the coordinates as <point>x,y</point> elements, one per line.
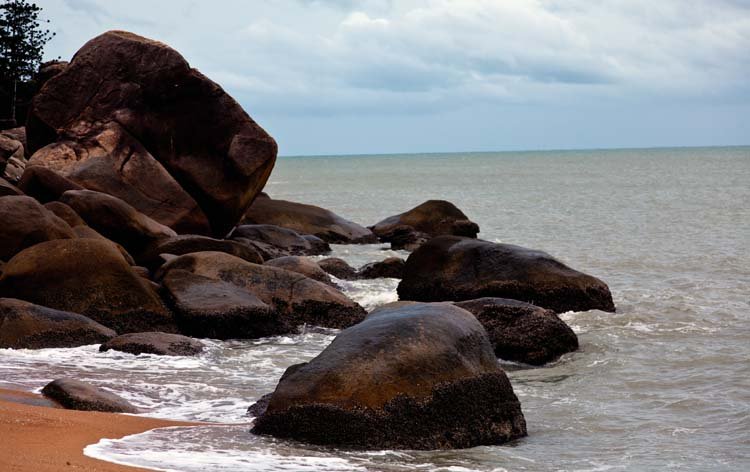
<point>22,41</point>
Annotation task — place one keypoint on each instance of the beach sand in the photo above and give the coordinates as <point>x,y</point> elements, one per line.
<point>44,438</point>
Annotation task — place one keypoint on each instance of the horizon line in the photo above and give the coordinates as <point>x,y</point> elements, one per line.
<point>626,148</point>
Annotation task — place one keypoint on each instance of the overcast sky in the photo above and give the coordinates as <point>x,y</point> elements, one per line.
<point>340,77</point>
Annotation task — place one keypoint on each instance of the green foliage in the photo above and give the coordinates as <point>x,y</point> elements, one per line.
<point>22,41</point>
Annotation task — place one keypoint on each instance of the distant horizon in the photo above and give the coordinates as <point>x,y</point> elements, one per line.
<point>628,148</point>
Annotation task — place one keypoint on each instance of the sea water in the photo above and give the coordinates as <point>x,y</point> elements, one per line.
<point>663,384</point>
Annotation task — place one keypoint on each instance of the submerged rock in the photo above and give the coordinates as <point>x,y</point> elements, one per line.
<point>77,395</point>
<point>129,117</point>
<point>308,219</point>
<point>456,268</point>
<point>213,292</point>
<point>522,332</point>
<point>24,325</point>
<point>164,344</point>
<point>86,276</point>
<point>24,222</point>
<point>274,241</point>
<point>411,375</point>
<point>433,218</point>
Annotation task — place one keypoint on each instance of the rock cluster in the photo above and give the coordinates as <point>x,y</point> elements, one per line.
<point>132,217</point>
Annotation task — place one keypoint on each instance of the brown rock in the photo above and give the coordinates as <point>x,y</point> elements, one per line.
<point>116,220</point>
<point>66,213</point>
<point>433,217</point>
<point>136,104</point>
<point>24,325</point>
<point>292,298</point>
<point>163,344</point>
<point>86,276</point>
<point>26,222</point>
<point>8,189</point>
<point>456,268</point>
<point>410,376</point>
<point>301,265</point>
<point>392,267</point>
<point>522,332</point>
<point>308,219</point>
<point>274,241</point>
<point>339,268</point>
<point>77,395</point>
<point>45,184</point>
<point>185,244</point>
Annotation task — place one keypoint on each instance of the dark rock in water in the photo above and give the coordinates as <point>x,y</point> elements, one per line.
<point>66,213</point>
<point>25,222</point>
<point>303,266</point>
<point>308,219</point>
<point>274,241</point>
<point>209,308</point>
<point>116,220</point>
<point>8,189</point>
<point>24,325</point>
<point>214,285</point>
<point>433,217</point>
<point>404,237</point>
<point>164,344</point>
<point>86,276</point>
<point>392,267</point>
<point>129,117</point>
<point>456,268</point>
<point>411,376</point>
<point>522,332</point>
<point>259,407</point>
<point>339,268</point>
<point>185,244</point>
<point>77,395</point>
<point>45,184</point>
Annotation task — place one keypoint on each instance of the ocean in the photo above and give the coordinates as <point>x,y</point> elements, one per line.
<point>663,384</point>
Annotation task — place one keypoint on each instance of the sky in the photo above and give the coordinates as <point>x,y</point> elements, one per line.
<point>380,76</point>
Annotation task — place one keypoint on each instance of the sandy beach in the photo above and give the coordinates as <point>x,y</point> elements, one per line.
<point>43,438</point>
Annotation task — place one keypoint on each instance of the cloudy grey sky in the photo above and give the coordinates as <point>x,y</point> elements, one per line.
<point>381,76</point>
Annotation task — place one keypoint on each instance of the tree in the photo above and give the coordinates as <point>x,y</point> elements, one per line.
<point>22,41</point>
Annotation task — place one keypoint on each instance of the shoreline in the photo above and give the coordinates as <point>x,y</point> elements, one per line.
<point>46,438</point>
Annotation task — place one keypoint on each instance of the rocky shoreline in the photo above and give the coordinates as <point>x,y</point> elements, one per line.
<point>137,221</point>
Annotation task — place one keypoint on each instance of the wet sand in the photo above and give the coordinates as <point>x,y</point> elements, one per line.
<point>45,438</point>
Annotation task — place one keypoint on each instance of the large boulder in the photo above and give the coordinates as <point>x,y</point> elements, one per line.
<point>264,298</point>
<point>76,395</point>
<point>301,265</point>
<point>338,268</point>
<point>274,241</point>
<point>129,117</point>
<point>24,325</point>
<point>86,276</point>
<point>433,217</point>
<point>116,220</point>
<point>66,213</point>
<point>163,344</point>
<point>457,268</point>
<point>522,332</point>
<point>210,308</point>
<point>411,375</point>
<point>185,244</point>
<point>308,219</point>
<point>25,222</point>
